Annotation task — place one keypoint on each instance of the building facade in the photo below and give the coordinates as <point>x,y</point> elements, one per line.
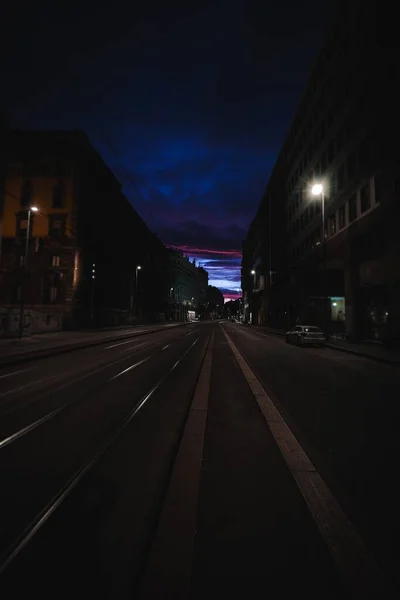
<point>183,286</point>
<point>334,259</point>
<point>71,242</point>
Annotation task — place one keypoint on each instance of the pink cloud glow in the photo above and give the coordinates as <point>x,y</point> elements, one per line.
<point>205,251</point>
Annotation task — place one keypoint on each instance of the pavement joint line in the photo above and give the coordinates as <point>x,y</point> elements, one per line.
<point>170,562</point>
<point>353,560</point>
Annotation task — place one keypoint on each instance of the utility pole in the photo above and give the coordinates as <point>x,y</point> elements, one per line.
<point>24,278</point>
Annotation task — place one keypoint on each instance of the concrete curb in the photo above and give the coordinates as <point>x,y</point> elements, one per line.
<point>381,359</point>
<point>14,359</point>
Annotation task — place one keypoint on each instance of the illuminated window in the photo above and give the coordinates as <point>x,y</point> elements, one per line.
<point>55,261</point>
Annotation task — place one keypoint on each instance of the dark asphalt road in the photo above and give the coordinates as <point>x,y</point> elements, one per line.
<point>254,531</point>
<point>345,411</point>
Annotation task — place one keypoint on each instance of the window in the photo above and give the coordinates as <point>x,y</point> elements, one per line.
<point>59,195</point>
<point>332,225</point>
<point>342,217</point>
<point>378,185</point>
<point>341,178</point>
<point>22,224</point>
<point>365,198</point>
<point>26,193</point>
<point>317,237</point>
<point>353,208</point>
<point>53,294</point>
<point>301,220</point>
<point>56,225</point>
<point>55,261</point>
<point>297,199</point>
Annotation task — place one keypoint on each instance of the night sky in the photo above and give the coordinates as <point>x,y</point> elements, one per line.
<point>187,102</point>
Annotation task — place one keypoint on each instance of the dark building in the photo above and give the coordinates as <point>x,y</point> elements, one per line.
<point>202,282</point>
<point>215,302</point>
<point>344,276</point>
<point>183,286</point>
<point>85,240</point>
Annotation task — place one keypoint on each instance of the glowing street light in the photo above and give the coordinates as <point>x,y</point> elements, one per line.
<point>317,189</point>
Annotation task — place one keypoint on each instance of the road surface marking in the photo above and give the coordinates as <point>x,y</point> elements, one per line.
<point>168,569</point>
<point>21,432</point>
<point>182,357</point>
<point>131,341</point>
<point>353,560</point>
<point>129,368</point>
<point>14,373</point>
<point>165,347</point>
<point>43,516</point>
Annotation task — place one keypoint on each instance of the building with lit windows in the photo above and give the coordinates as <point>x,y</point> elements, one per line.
<point>186,282</point>
<point>79,264</point>
<point>338,267</point>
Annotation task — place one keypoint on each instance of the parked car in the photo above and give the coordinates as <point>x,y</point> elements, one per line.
<point>305,334</point>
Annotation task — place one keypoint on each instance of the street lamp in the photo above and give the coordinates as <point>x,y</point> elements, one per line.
<point>138,268</point>
<point>318,190</point>
<point>31,209</point>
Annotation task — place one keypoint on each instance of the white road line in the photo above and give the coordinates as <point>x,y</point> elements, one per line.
<point>15,373</point>
<point>352,558</point>
<point>182,357</point>
<point>21,432</point>
<point>42,517</point>
<point>165,347</point>
<point>131,341</point>
<point>130,368</point>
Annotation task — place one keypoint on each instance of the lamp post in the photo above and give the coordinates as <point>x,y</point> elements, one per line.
<point>253,272</point>
<point>31,209</point>
<point>93,291</point>
<point>171,290</point>
<point>318,190</point>
<point>137,269</point>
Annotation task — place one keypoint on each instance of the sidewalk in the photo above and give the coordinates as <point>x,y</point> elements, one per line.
<point>45,344</point>
<point>371,350</point>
